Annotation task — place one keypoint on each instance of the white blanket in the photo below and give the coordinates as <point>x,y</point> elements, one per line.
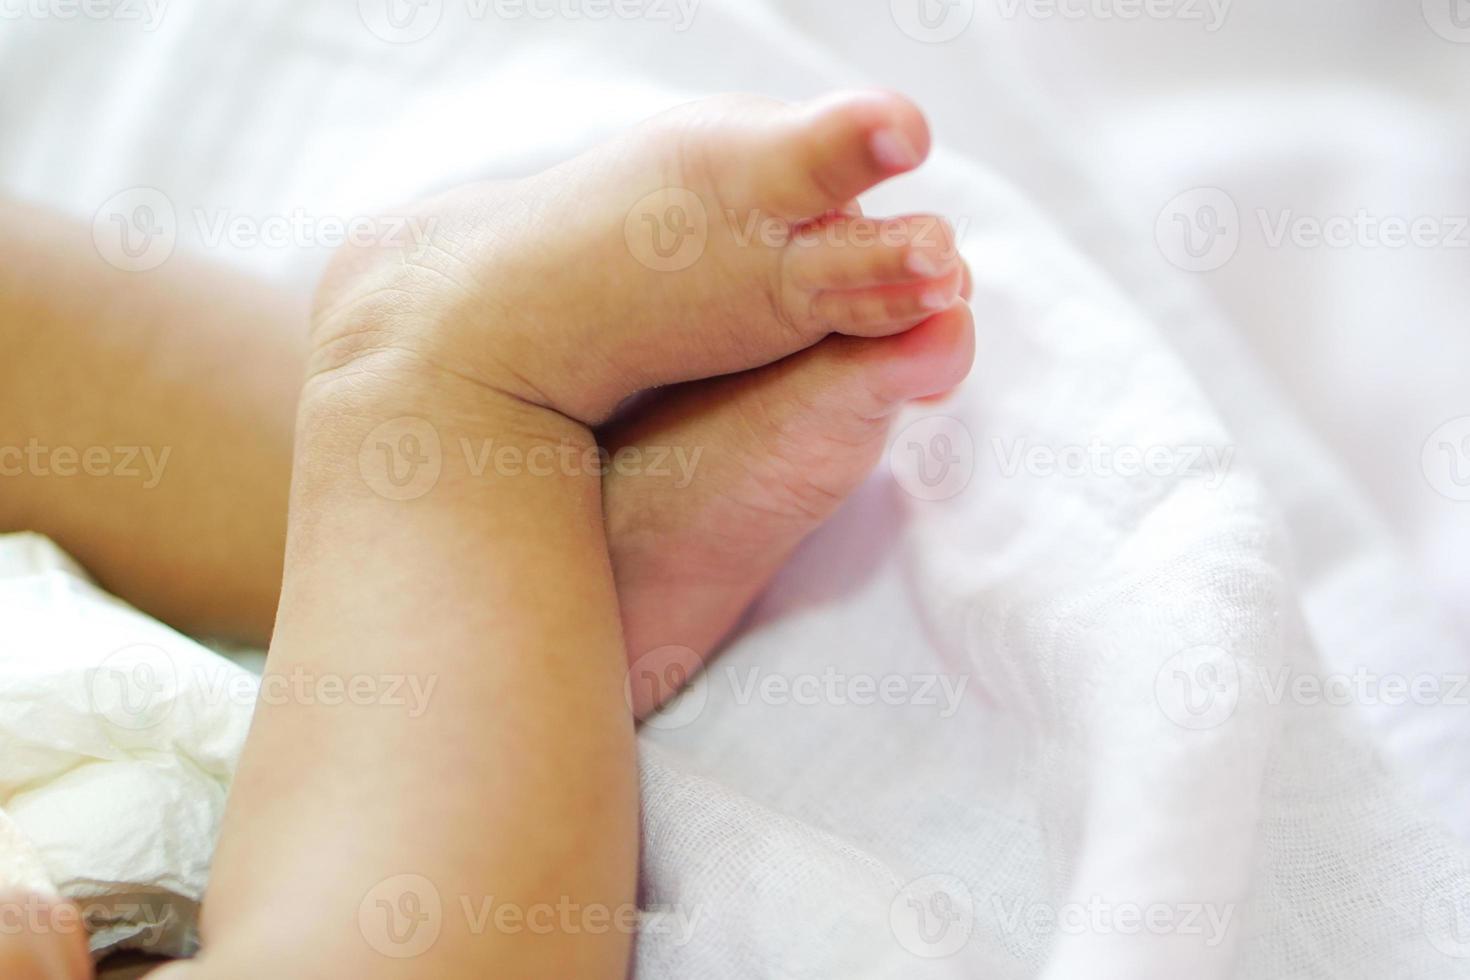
<point>1143,657</point>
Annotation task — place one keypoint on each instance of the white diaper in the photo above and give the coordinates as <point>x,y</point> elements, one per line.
<point>118,737</point>
<point>20,867</point>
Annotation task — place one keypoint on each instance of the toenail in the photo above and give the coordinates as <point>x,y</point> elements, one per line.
<point>893,151</point>
<point>923,265</point>
<point>936,299</point>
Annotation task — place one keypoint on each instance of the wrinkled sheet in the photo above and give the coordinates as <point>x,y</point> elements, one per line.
<point>1143,656</point>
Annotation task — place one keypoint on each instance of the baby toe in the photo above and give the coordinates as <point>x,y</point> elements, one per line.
<point>930,359</point>
<point>856,252</point>
<point>823,154</point>
<point>878,311</point>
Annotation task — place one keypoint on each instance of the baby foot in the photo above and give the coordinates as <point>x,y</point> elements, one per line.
<point>779,449</point>
<point>570,291</point>
<point>555,290</point>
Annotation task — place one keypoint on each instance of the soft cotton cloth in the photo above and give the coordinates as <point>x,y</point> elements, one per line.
<point>1107,671</point>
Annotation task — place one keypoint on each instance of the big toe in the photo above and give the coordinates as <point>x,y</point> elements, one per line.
<point>820,155</point>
